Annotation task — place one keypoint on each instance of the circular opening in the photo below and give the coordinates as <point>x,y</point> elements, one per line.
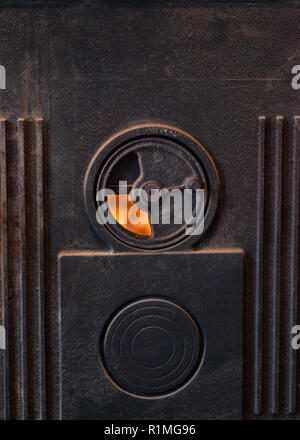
<point>150,172</point>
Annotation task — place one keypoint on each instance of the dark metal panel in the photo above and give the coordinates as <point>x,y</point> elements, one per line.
<point>209,286</point>
<point>96,67</point>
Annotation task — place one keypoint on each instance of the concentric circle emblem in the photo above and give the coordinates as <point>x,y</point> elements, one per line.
<point>152,348</point>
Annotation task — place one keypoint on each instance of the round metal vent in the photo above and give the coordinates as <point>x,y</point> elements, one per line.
<point>163,162</point>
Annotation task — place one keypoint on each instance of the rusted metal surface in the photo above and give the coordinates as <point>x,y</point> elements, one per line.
<point>77,73</point>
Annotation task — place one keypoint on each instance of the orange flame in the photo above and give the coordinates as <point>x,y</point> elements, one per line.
<point>121,207</point>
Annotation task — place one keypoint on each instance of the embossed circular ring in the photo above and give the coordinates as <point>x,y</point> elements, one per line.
<point>152,348</point>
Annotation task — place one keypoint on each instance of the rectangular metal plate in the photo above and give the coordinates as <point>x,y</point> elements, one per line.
<point>209,286</point>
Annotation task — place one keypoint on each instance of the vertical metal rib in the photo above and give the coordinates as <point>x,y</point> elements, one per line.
<point>272,271</point>
<point>16,277</point>
<point>35,270</point>
<point>259,266</point>
<point>297,250</point>
<point>289,271</point>
<point>290,373</point>
<point>40,257</point>
<point>3,275</point>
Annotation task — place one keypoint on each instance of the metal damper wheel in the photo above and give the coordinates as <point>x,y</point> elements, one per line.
<point>156,160</point>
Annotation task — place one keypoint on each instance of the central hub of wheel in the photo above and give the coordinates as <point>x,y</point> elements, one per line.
<point>152,190</point>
